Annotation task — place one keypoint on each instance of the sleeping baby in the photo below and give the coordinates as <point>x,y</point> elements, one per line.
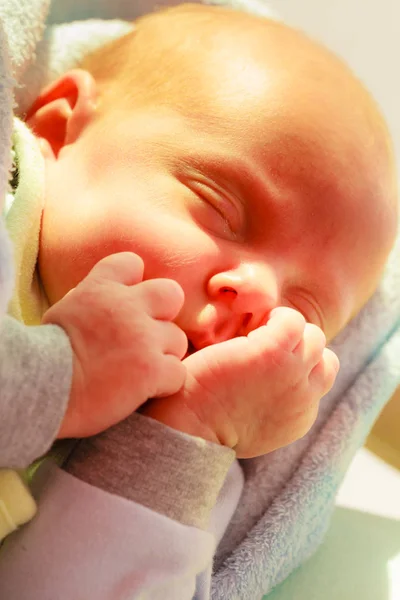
<point>240,160</point>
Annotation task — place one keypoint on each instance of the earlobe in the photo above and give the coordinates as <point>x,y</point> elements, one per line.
<point>64,109</point>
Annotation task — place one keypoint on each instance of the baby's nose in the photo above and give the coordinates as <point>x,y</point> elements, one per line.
<point>251,290</point>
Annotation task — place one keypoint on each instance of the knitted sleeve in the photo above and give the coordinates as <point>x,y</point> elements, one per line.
<point>35,380</point>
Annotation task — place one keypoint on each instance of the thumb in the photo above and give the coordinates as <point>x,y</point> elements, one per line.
<point>125,267</point>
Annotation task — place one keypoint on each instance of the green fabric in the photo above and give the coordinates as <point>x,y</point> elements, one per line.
<point>59,452</point>
<point>23,211</point>
<point>359,559</point>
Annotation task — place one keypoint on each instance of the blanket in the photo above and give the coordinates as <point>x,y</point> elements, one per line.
<point>289,495</point>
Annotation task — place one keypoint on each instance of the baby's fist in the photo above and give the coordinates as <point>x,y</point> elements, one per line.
<point>126,348</point>
<point>256,393</point>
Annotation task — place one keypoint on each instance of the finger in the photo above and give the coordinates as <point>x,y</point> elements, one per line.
<point>284,329</point>
<point>311,345</point>
<point>175,340</point>
<point>171,376</point>
<point>163,298</point>
<point>323,375</point>
<point>125,267</point>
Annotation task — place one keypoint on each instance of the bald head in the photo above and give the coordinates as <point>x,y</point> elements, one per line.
<point>295,108</point>
<point>195,57</point>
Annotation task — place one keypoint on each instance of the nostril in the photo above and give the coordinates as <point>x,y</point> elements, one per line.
<point>228,291</point>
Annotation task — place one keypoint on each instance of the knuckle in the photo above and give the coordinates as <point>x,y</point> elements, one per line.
<point>143,335</point>
<point>292,317</point>
<point>316,333</point>
<point>100,303</point>
<point>114,267</point>
<point>166,292</point>
<point>269,356</point>
<point>132,258</point>
<point>147,369</point>
<point>122,258</point>
<point>332,365</point>
<point>172,290</point>
<point>333,358</point>
<point>298,318</point>
<point>90,302</point>
<point>277,359</point>
<point>330,380</point>
<point>183,342</point>
<point>155,290</point>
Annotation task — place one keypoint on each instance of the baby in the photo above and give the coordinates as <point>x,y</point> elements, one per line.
<point>237,158</point>
<point>260,181</point>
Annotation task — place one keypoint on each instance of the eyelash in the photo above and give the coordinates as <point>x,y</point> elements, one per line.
<point>233,221</point>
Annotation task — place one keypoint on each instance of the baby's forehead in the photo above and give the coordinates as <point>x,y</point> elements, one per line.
<point>233,33</point>
<point>233,57</point>
<point>200,56</point>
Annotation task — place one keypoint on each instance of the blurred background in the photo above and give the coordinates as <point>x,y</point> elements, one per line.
<point>366,33</point>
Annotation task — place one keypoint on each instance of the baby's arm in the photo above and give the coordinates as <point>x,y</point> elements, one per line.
<point>35,380</point>
<point>175,474</point>
<point>107,347</point>
<point>122,349</point>
<point>113,545</point>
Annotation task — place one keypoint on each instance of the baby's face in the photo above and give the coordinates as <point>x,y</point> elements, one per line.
<point>260,189</point>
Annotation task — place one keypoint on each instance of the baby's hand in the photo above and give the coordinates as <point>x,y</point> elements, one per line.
<point>126,348</point>
<point>255,393</point>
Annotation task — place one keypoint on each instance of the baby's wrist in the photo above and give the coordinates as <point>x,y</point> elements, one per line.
<point>71,423</point>
<point>183,420</point>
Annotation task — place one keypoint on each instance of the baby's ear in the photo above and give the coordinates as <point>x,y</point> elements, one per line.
<point>63,109</point>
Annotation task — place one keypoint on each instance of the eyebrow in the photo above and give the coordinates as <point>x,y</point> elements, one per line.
<point>246,176</point>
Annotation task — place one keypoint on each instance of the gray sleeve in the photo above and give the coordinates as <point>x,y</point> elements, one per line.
<point>174,474</point>
<point>35,381</point>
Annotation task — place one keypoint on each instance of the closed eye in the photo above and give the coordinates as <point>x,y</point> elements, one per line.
<point>225,218</point>
<point>301,301</point>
